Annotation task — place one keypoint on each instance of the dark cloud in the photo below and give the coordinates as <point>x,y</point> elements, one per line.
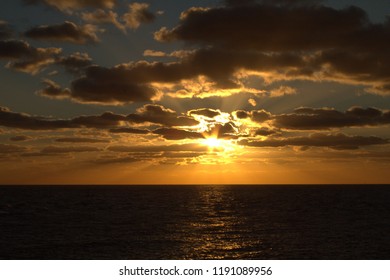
<point>260,116</point>
<point>177,134</point>
<point>67,150</point>
<point>210,113</point>
<point>159,148</point>
<point>148,114</point>
<point>139,81</point>
<point>25,121</point>
<point>220,64</point>
<point>101,16</point>
<point>14,49</point>
<point>241,114</point>
<point>334,141</point>
<point>81,140</point>
<point>264,132</point>
<point>291,2</point>
<point>75,63</point>
<point>179,155</point>
<point>159,115</point>
<point>5,30</point>
<point>161,156</point>
<point>240,2</point>
<point>271,2</point>
<point>20,138</point>
<point>86,90</point>
<point>117,160</point>
<point>325,118</point>
<point>292,29</point>
<point>53,90</point>
<point>129,130</point>
<point>26,58</point>
<point>69,5</point>
<point>65,32</point>
<point>325,43</point>
<point>9,149</point>
<point>105,120</point>
<point>319,118</point>
<point>138,13</point>
<point>111,86</point>
<point>222,131</point>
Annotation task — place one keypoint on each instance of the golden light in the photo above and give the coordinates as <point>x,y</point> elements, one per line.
<point>212,142</point>
<point>222,146</point>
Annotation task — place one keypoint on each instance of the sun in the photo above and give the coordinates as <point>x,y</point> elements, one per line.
<point>212,142</point>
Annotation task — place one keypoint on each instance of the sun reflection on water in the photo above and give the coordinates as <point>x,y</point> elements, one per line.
<point>216,230</point>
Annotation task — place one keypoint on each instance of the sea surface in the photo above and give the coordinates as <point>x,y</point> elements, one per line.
<point>195,222</point>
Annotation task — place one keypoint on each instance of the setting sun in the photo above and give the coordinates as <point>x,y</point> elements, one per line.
<point>212,142</point>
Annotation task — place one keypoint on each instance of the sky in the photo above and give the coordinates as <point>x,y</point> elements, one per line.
<point>194,92</point>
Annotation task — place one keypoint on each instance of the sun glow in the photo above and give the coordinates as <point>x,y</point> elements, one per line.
<point>221,146</point>
<point>212,142</point>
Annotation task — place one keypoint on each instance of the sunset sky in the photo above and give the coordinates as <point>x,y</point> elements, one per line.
<point>194,92</point>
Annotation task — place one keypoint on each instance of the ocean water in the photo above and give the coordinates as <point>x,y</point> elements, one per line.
<point>194,222</point>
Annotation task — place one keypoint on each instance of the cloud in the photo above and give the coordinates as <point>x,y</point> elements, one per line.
<point>5,30</point>
<point>10,149</point>
<point>117,160</point>
<point>305,118</point>
<point>222,131</point>
<point>204,72</point>
<point>81,140</point>
<point>129,130</point>
<point>252,102</point>
<point>282,91</point>
<point>209,113</point>
<point>138,13</point>
<point>326,118</point>
<point>153,53</point>
<point>35,64</point>
<point>160,115</point>
<point>101,16</point>
<point>323,43</point>
<point>179,155</point>
<point>15,49</point>
<point>258,116</point>
<point>292,28</point>
<point>272,2</point>
<point>65,32</point>
<point>19,138</point>
<point>70,5</point>
<point>75,63</point>
<point>241,114</point>
<point>239,2</point>
<point>53,90</point>
<point>26,58</point>
<point>190,147</point>
<point>177,134</point>
<point>156,114</point>
<point>264,131</point>
<point>25,121</point>
<point>67,150</point>
<point>334,141</point>
<point>105,120</point>
<point>111,86</point>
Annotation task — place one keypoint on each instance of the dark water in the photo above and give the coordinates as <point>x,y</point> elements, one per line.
<point>195,222</point>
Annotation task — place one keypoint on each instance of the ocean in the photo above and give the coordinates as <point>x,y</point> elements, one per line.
<point>195,222</point>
